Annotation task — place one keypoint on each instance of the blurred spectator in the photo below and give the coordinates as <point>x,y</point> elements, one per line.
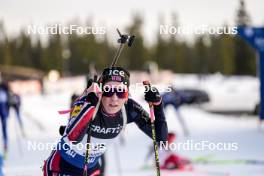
<point>14,102</point>
<point>169,159</point>
<point>179,97</point>
<point>4,94</point>
<point>176,99</point>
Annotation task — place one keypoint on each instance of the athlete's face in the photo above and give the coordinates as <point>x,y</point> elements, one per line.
<point>115,94</point>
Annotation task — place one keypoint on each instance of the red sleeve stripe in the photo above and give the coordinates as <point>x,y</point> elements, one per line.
<point>81,124</point>
<point>75,120</point>
<point>55,162</point>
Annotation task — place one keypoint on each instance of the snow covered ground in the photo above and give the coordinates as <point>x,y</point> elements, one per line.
<point>42,122</point>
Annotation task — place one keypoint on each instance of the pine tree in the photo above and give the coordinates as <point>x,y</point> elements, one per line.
<point>37,55</point>
<point>5,51</point>
<point>201,55</point>
<point>21,49</point>
<point>227,54</point>
<point>174,55</point>
<point>53,53</point>
<point>136,55</point>
<point>243,18</point>
<point>244,54</point>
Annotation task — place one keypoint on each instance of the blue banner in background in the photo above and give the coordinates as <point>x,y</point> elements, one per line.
<point>1,164</point>
<point>255,37</point>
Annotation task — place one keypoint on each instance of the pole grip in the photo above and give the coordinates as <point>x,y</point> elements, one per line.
<point>147,85</point>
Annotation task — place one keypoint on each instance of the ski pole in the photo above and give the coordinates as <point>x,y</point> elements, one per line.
<point>86,159</point>
<point>152,119</point>
<point>122,40</point>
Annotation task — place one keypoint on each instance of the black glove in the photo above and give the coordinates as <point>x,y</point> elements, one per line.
<point>152,95</point>
<point>90,81</point>
<point>92,98</point>
<point>62,129</point>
